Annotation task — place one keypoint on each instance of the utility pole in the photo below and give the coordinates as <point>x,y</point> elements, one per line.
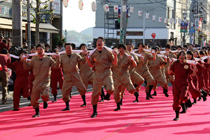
<point>17,23</point>
<point>28,26</point>
<point>123,23</point>
<point>144,26</point>
<point>37,22</point>
<point>185,28</point>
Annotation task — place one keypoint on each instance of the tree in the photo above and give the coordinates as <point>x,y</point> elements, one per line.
<point>40,9</point>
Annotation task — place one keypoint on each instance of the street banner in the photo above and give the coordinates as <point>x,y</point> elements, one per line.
<point>184,26</point>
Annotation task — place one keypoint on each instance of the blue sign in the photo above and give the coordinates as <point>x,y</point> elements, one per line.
<point>192,30</point>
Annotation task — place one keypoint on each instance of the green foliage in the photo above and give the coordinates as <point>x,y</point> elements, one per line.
<point>57,40</point>
<point>41,11</point>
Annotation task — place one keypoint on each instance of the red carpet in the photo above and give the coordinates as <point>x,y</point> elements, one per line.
<point>146,120</point>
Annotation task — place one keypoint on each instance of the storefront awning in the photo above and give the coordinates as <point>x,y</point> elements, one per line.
<point>43,27</point>
<point>5,27</point>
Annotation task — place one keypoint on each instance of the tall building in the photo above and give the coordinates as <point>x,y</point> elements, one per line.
<point>47,28</point>
<point>166,32</point>
<point>199,15</point>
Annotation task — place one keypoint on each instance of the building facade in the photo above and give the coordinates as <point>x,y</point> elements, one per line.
<point>166,32</point>
<point>47,28</point>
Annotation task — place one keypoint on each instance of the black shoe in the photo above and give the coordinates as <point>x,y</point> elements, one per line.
<point>93,115</point>
<point>199,98</point>
<point>154,94</point>
<point>15,109</point>
<point>195,102</point>
<point>177,116</point>
<point>101,100</point>
<point>136,94</point>
<point>203,95</point>
<point>94,111</point>
<point>165,91</point>
<point>67,106</point>
<point>184,110</point>
<point>29,98</point>
<point>188,104</point>
<point>150,96</point>
<point>176,119</point>
<point>45,105</point>
<point>83,105</point>
<point>37,113</point>
<point>135,101</point>
<point>65,109</point>
<point>55,98</point>
<point>149,93</point>
<point>147,97</point>
<point>107,97</point>
<point>84,100</point>
<point>118,107</point>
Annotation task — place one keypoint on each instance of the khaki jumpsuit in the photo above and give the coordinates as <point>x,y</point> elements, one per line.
<point>122,77</point>
<point>136,79</point>
<point>143,70</point>
<point>41,83</point>
<point>155,70</point>
<point>103,74</point>
<point>71,75</point>
<point>86,72</point>
<point>169,78</point>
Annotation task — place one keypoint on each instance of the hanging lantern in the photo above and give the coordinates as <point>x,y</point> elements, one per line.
<point>124,8</point>
<point>81,4</point>
<point>65,3</point>
<point>94,6</point>
<point>160,19</point>
<point>147,15</point>
<point>165,20</point>
<point>116,8</point>
<point>132,10</point>
<point>106,8</point>
<point>153,18</point>
<point>140,13</point>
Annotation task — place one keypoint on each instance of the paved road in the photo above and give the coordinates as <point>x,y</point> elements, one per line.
<point>24,102</point>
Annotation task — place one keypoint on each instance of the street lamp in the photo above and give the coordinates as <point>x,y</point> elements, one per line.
<point>66,35</point>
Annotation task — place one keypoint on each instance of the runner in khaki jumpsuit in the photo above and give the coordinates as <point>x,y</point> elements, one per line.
<point>121,74</point>
<point>155,70</point>
<point>137,79</point>
<point>143,69</point>
<point>40,65</point>
<point>102,60</point>
<point>169,78</point>
<point>69,63</point>
<point>86,71</point>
